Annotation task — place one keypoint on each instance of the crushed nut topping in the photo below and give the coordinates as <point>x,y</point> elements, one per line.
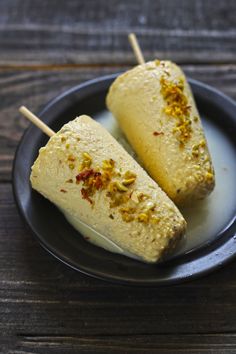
<point>71,166</point>
<point>197,149</point>
<point>128,181</point>
<point>108,165</point>
<point>86,162</point>
<point>143,217</point>
<point>120,186</point>
<point>177,107</point>
<point>132,205</point>
<point>129,174</point>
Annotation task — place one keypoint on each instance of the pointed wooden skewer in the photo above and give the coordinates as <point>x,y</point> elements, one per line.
<point>36,121</point>
<point>136,48</point>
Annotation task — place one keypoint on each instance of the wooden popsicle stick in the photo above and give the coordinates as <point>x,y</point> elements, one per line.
<point>36,121</point>
<point>136,48</point>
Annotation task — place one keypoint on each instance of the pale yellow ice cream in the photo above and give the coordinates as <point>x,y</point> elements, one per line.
<point>89,176</point>
<point>155,108</point>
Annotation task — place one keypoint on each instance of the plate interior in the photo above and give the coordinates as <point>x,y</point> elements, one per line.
<point>59,237</point>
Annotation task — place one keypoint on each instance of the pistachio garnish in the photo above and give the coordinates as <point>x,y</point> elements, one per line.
<point>129,174</point>
<point>196,149</point>
<point>154,219</point>
<point>86,162</point>
<point>104,177</point>
<point>129,210</point>
<point>108,164</point>
<point>128,181</point>
<point>71,166</point>
<point>202,143</point>
<point>177,106</point>
<point>143,217</point>
<point>127,213</point>
<point>87,156</point>
<point>209,176</point>
<point>120,187</point>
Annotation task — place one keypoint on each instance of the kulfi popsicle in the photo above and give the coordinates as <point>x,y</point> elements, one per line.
<point>86,173</point>
<point>155,108</point>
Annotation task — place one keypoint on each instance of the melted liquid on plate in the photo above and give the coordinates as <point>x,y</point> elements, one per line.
<point>206,218</point>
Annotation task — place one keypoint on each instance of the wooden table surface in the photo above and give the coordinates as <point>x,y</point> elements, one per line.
<point>45,48</point>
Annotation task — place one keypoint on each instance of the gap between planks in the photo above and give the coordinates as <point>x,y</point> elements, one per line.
<point>117,335</point>
<point>48,67</point>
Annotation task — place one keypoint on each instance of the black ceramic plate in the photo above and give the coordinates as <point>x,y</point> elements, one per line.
<point>61,240</point>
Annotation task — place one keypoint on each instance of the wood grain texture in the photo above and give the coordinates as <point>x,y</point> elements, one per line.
<point>194,344</point>
<point>35,88</point>
<point>71,31</point>
<point>45,307</point>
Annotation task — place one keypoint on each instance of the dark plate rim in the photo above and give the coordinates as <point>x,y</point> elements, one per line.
<point>96,86</point>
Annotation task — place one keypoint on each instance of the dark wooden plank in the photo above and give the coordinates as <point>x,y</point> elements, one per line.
<point>194,344</point>
<point>44,306</point>
<point>72,31</point>
<point>39,296</point>
<point>35,87</point>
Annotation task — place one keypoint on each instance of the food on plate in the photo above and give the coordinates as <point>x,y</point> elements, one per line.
<point>90,177</point>
<point>155,108</point>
